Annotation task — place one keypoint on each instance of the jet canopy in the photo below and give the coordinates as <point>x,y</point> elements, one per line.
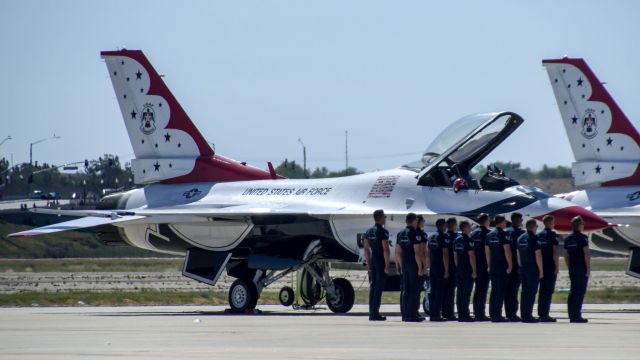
<point>462,145</point>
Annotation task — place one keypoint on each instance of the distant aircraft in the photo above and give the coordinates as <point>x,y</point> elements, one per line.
<point>606,147</point>
<point>222,214</point>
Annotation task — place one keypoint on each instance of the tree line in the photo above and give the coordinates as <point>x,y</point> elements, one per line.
<point>107,173</point>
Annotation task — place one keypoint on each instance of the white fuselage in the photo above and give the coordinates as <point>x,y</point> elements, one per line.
<point>347,203</point>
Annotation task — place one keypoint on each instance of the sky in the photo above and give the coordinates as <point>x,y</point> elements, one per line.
<point>255,76</point>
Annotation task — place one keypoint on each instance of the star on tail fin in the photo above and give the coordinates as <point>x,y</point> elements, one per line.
<point>605,144</point>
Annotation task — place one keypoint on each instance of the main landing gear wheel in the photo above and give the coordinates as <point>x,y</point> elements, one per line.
<point>286,296</point>
<point>311,291</point>
<point>425,304</point>
<point>343,298</point>
<point>243,296</point>
<point>426,285</point>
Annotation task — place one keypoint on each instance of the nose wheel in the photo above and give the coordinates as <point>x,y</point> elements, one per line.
<point>286,296</point>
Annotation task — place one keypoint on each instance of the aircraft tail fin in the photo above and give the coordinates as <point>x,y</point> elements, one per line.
<point>167,145</point>
<point>605,143</point>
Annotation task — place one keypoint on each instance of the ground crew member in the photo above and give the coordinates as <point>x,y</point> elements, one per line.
<point>513,285</point>
<point>407,253</point>
<point>550,266</point>
<point>423,239</point>
<point>479,235</point>
<point>438,270</point>
<point>578,260</point>
<point>465,259</point>
<point>376,253</point>
<point>498,251</point>
<point>448,300</point>
<point>531,271</point>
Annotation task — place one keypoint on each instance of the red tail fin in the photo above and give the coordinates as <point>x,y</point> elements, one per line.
<point>167,145</point>
<point>604,142</point>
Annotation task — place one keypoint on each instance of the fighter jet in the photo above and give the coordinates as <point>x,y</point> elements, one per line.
<point>606,147</point>
<point>222,214</point>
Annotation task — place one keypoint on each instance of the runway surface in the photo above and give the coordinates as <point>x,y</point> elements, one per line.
<point>183,332</point>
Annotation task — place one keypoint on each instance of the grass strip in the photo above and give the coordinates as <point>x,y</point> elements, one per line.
<point>155,297</point>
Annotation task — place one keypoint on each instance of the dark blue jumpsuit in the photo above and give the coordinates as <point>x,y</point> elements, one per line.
<point>406,239</point>
<point>513,285</point>
<point>376,235</point>
<point>462,246</point>
<point>575,244</point>
<point>548,240</point>
<point>527,246</point>
<point>478,236</point>
<point>422,238</point>
<point>496,239</point>
<point>436,274</point>
<point>448,300</point>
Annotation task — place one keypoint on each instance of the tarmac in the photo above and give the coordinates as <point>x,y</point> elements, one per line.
<point>198,332</point>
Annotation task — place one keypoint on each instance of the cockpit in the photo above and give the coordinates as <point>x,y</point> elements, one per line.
<point>453,154</point>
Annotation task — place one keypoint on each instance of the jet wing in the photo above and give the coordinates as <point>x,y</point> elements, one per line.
<point>253,209</point>
<point>81,223</point>
<point>93,218</point>
<point>219,210</point>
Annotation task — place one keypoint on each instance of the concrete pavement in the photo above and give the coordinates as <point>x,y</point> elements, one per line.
<point>186,332</point>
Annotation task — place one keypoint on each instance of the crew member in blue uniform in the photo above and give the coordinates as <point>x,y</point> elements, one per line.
<point>513,285</point>
<point>376,252</point>
<point>479,235</point>
<point>530,261</point>
<point>465,259</point>
<point>578,260</point>
<point>423,239</point>
<point>550,266</point>
<point>448,301</point>
<point>407,253</point>
<point>438,269</point>
<point>498,251</point>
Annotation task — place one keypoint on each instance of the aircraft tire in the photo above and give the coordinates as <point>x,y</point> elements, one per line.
<point>243,296</point>
<point>345,296</point>
<point>286,296</point>
<point>425,304</point>
<point>425,301</point>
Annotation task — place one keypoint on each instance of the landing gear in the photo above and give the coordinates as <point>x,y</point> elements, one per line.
<point>311,292</point>
<point>243,296</point>
<point>286,296</point>
<point>343,296</point>
<point>315,284</point>
<point>427,292</point>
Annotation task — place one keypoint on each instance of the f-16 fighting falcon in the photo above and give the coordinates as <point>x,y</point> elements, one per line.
<point>606,147</point>
<point>223,215</point>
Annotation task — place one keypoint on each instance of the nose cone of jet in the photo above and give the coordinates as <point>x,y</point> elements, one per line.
<point>563,216</point>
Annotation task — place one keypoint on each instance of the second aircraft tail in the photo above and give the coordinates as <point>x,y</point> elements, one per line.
<point>605,144</point>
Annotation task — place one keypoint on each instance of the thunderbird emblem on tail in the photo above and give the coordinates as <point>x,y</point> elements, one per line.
<point>589,124</point>
<point>148,121</point>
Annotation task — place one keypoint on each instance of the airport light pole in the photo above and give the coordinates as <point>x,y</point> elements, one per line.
<point>304,157</point>
<point>38,142</point>
<point>5,140</point>
<point>346,152</point>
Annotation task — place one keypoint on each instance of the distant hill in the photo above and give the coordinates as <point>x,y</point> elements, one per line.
<point>551,186</point>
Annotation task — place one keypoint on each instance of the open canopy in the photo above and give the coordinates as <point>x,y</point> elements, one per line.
<point>463,144</point>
